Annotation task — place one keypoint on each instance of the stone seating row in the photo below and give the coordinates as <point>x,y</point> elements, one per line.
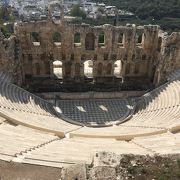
<point>16,98</point>
<point>162,116</point>
<point>174,75</point>
<point>82,150</point>
<point>15,140</point>
<point>5,77</point>
<point>167,143</point>
<point>163,97</point>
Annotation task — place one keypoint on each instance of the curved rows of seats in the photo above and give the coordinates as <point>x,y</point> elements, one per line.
<point>26,145</point>
<point>5,77</point>
<point>22,107</point>
<point>16,140</point>
<point>163,107</point>
<point>167,143</point>
<point>14,98</point>
<point>174,75</point>
<point>157,112</point>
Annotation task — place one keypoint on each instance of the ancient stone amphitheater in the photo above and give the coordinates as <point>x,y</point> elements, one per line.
<point>33,133</point>
<point>52,136</point>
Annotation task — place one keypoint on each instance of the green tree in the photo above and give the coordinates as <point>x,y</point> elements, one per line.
<point>77,12</point>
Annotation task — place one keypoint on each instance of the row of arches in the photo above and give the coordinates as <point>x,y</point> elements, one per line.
<point>89,39</point>
<point>88,69</point>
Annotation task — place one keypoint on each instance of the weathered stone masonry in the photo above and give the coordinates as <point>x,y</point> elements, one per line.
<point>145,54</point>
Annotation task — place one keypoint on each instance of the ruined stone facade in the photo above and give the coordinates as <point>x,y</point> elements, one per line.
<point>122,57</point>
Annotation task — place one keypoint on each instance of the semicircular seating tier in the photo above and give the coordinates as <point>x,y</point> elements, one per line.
<point>22,107</point>
<point>30,132</point>
<point>5,77</point>
<point>25,145</point>
<point>156,112</point>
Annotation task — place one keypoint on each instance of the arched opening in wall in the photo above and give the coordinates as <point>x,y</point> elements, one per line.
<point>47,68</point>
<point>37,68</point>
<point>136,69</point>
<point>68,69</point>
<point>100,69</point>
<point>127,68</point>
<point>35,38</point>
<point>159,43</point>
<point>77,69</point>
<point>101,39</point>
<point>109,69</point>
<point>56,39</point>
<point>121,39</point>
<point>30,59</point>
<point>139,38</point>
<point>118,68</point>
<point>88,69</point>
<point>57,69</point>
<point>89,41</point>
<point>77,39</point>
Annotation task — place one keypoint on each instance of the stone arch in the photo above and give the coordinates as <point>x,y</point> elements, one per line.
<point>136,68</point>
<point>35,38</point>
<point>109,69</point>
<point>68,69</point>
<point>128,68</point>
<point>77,37</point>
<point>88,68</point>
<point>101,38</point>
<point>100,69</point>
<point>139,37</point>
<point>118,68</point>
<point>37,68</point>
<point>47,67</point>
<point>90,41</point>
<point>77,69</point>
<point>56,37</point>
<point>121,38</point>
<point>57,69</point>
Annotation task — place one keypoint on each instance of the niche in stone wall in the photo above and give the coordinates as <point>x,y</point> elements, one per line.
<point>37,69</point>
<point>30,59</point>
<point>101,39</point>
<point>68,69</point>
<point>109,69</point>
<point>77,69</point>
<point>56,39</point>
<point>88,68</point>
<point>90,41</point>
<point>118,68</point>
<point>77,39</point>
<point>106,56</point>
<point>136,68</point>
<point>57,69</point>
<point>47,68</point>
<point>121,39</point>
<point>99,69</point>
<point>139,38</point>
<point>127,68</point>
<point>35,38</point>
